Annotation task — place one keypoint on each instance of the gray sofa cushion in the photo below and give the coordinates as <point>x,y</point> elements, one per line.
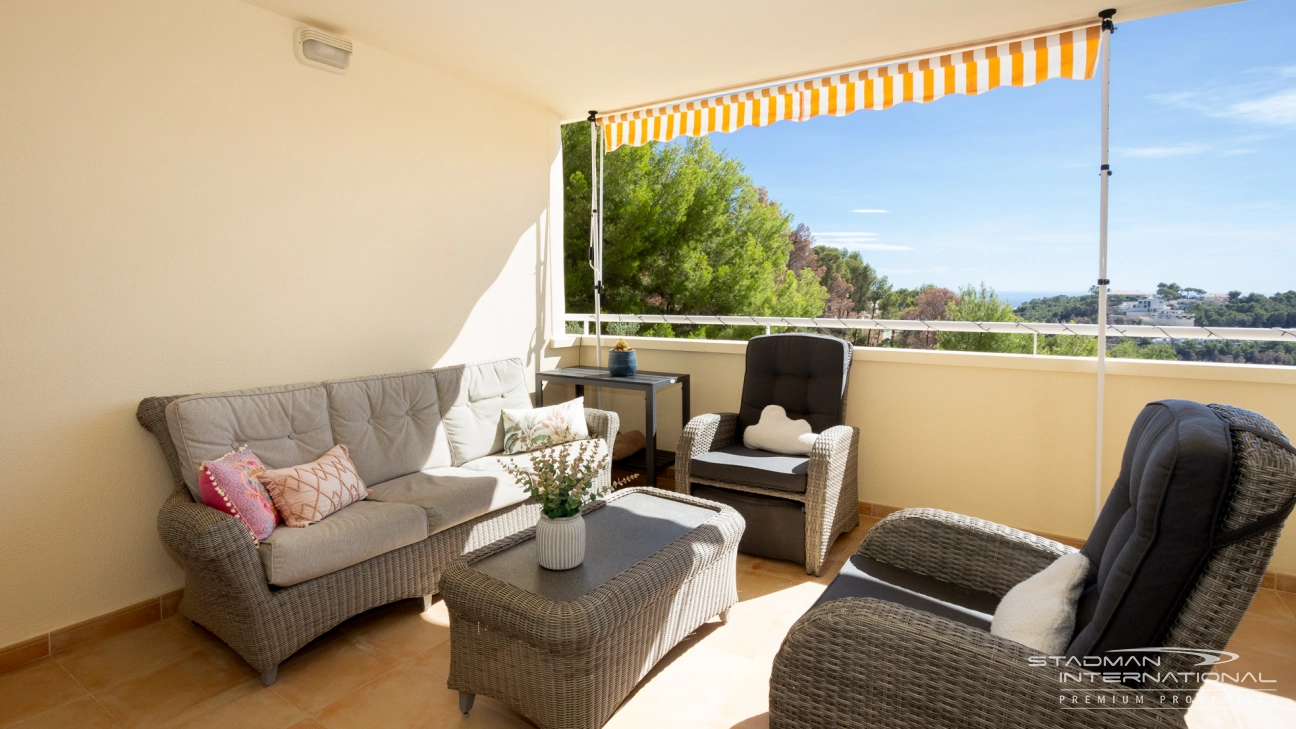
<point>390,424</point>
<point>866,577</point>
<point>361,531</point>
<point>472,400</point>
<point>740,464</point>
<point>284,426</point>
<point>451,496</point>
<point>804,373</point>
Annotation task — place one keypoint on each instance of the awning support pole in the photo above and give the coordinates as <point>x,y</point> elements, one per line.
<point>596,241</point>
<point>1104,176</point>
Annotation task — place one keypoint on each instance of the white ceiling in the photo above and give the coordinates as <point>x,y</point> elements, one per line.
<point>575,55</point>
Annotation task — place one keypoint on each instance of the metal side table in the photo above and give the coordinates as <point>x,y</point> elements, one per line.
<point>649,383</point>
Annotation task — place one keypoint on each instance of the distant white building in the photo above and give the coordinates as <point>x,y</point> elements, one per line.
<point>1216,299</point>
<point>1152,311</point>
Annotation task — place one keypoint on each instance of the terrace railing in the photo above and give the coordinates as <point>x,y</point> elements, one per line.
<point>973,327</point>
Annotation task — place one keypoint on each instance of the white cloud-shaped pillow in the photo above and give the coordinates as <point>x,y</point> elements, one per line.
<point>1040,611</point>
<point>777,433</point>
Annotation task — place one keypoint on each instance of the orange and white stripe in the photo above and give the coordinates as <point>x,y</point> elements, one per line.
<point>1068,54</point>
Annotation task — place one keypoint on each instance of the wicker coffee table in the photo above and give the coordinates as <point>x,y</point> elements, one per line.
<point>565,648</point>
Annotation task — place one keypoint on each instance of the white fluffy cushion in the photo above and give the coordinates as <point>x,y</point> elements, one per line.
<point>1040,612</point>
<point>778,434</point>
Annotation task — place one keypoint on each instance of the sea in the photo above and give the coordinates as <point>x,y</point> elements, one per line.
<point>1017,298</point>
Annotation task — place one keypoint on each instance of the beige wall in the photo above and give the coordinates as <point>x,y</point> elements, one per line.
<point>185,207</point>
<point>1003,437</point>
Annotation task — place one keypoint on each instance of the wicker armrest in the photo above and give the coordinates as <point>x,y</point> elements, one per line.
<point>703,434</point>
<point>200,533</point>
<point>603,424</point>
<point>863,662</point>
<point>973,552</point>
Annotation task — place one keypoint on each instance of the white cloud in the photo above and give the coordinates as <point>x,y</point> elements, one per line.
<point>869,210</point>
<point>874,246</point>
<point>933,269</point>
<point>846,234</point>
<point>1279,108</point>
<point>1177,150</point>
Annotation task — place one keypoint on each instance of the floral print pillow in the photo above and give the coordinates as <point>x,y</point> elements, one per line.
<point>528,430</point>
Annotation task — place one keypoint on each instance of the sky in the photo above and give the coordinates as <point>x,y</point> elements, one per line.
<point>1002,188</point>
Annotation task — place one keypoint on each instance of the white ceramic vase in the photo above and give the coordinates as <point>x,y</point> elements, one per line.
<point>560,543</point>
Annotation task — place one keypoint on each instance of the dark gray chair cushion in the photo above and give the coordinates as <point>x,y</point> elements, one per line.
<point>866,577</point>
<point>804,373</point>
<point>752,467</point>
<point>1155,532</point>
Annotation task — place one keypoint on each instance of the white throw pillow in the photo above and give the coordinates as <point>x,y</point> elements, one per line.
<point>776,433</point>
<point>528,430</point>
<point>1040,612</point>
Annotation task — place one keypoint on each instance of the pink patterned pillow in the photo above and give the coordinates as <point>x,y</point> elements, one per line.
<point>230,484</point>
<point>307,493</point>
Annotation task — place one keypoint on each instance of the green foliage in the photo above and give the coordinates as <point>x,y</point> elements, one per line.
<point>1131,348</point>
<point>1265,353</point>
<point>561,479</point>
<point>1169,291</point>
<point>1068,345</point>
<point>981,304</point>
<point>869,290</point>
<point>1061,309</point>
<point>1252,310</point>
<point>685,231</point>
<point>621,328</point>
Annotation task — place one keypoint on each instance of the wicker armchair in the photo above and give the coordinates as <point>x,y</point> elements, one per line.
<point>807,375</point>
<point>868,662</point>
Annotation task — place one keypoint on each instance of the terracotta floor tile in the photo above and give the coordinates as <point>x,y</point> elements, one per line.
<point>1289,599</point>
<point>34,689</point>
<point>260,708</point>
<point>400,699</point>
<point>747,633</point>
<point>1269,604</point>
<point>485,714</point>
<point>80,714</point>
<point>791,571</point>
<point>774,595</point>
<point>687,692</point>
<point>404,631</point>
<point>182,687</point>
<point>435,662</point>
<point>317,676</point>
<point>1258,633</point>
<point>1257,709</point>
<point>308,724</point>
<point>103,663</point>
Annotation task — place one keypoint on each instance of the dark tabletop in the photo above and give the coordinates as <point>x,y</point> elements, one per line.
<point>641,377</point>
<point>618,536</point>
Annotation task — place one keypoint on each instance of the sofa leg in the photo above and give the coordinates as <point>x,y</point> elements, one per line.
<point>269,677</point>
<point>724,616</point>
<point>466,701</point>
<point>427,603</point>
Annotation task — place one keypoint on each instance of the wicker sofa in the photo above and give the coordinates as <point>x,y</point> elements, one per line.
<point>426,443</point>
<point>1178,553</point>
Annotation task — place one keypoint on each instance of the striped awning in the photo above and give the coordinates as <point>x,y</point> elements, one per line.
<point>1061,54</point>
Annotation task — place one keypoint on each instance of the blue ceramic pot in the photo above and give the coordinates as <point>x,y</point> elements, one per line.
<point>622,364</point>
